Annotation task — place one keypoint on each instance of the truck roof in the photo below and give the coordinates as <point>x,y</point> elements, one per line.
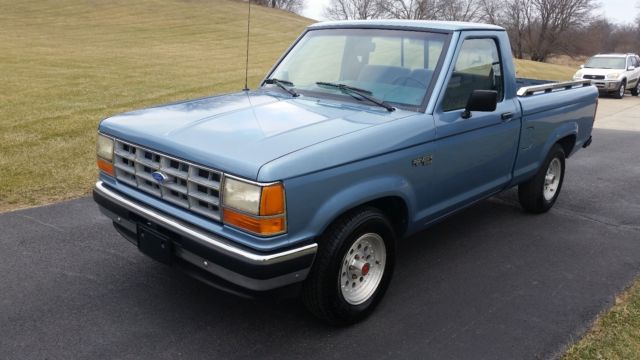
<point>395,23</point>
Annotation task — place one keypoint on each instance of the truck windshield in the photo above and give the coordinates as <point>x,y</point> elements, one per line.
<point>395,66</point>
<point>602,62</point>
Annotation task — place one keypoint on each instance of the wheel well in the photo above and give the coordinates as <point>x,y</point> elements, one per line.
<point>396,211</point>
<point>567,143</point>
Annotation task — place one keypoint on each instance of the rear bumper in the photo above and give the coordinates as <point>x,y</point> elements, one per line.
<point>208,256</point>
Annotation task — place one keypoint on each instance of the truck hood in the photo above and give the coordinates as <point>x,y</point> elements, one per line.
<point>238,133</point>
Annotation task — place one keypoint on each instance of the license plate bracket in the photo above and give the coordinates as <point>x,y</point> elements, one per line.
<point>155,245</point>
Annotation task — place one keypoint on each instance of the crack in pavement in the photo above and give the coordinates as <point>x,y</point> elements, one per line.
<point>41,222</point>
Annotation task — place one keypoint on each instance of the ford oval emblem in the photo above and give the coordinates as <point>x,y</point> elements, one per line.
<point>159,177</point>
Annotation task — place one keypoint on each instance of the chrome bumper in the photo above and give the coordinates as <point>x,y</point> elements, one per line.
<point>119,208</point>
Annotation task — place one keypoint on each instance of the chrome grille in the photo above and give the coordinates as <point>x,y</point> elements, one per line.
<point>188,185</point>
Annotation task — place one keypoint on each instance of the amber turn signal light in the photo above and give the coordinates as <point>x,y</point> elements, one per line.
<point>272,200</point>
<point>105,166</point>
<point>256,225</point>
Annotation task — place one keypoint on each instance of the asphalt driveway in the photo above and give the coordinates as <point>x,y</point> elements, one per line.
<point>489,283</point>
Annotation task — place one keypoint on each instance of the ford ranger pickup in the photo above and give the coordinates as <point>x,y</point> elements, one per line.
<point>363,133</point>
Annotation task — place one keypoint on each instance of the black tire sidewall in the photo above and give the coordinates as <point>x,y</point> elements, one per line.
<point>623,84</point>
<point>556,152</point>
<point>377,226</point>
<point>321,291</point>
<point>531,192</point>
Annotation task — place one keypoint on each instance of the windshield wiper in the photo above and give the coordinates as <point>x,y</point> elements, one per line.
<point>281,84</point>
<point>365,94</point>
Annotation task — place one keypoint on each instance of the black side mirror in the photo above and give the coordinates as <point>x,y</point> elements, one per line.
<point>481,100</point>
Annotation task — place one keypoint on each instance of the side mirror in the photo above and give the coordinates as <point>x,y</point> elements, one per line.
<point>631,68</point>
<point>481,100</point>
<point>582,66</point>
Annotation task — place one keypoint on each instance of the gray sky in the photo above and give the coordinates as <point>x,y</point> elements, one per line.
<point>619,11</point>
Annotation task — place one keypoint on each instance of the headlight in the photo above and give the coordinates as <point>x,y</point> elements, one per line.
<point>259,209</point>
<point>613,75</point>
<point>104,150</point>
<point>241,196</point>
<point>578,74</point>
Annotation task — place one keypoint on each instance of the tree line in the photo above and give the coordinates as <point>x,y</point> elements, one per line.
<point>537,29</point>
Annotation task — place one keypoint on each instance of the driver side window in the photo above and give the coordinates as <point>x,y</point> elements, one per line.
<point>478,67</point>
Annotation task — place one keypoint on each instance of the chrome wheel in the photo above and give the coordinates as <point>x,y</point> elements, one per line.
<point>362,268</point>
<point>552,179</point>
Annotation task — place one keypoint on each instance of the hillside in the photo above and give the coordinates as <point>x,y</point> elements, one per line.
<point>544,71</point>
<point>69,63</point>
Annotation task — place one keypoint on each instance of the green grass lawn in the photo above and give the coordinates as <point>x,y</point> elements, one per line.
<point>537,70</point>
<point>67,64</point>
<point>616,334</point>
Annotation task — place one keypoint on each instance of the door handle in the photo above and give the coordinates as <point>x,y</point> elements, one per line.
<point>506,116</point>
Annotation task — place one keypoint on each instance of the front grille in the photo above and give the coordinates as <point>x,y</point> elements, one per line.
<point>187,185</point>
<point>594,77</point>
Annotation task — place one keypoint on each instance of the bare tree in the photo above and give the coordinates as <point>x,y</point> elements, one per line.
<point>289,5</point>
<point>598,36</point>
<point>451,10</point>
<point>410,9</point>
<point>459,10</point>
<point>353,9</point>
<point>517,21</point>
<point>551,19</point>
<point>492,11</point>
<point>537,28</point>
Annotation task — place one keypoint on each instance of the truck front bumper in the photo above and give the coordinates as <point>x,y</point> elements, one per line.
<point>204,255</point>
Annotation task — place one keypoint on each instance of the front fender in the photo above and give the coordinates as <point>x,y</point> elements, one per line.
<point>357,193</point>
<point>361,193</point>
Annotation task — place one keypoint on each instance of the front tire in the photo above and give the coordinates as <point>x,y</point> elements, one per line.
<point>352,269</point>
<point>540,193</point>
<point>620,93</point>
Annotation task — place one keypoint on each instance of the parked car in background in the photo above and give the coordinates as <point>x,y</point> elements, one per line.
<point>612,73</point>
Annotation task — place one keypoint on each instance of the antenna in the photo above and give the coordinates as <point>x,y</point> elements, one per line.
<point>246,65</point>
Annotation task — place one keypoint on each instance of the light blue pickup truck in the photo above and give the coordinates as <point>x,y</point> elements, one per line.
<point>363,133</point>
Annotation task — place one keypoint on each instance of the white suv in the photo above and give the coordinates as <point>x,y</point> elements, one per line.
<point>612,73</point>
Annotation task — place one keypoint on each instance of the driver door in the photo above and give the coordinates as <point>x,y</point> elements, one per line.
<point>474,157</point>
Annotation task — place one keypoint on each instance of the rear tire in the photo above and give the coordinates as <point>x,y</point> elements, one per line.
<point>636,89</point>
<point>538,194</point>
<point>620,93</point>
<point>352,269</point>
